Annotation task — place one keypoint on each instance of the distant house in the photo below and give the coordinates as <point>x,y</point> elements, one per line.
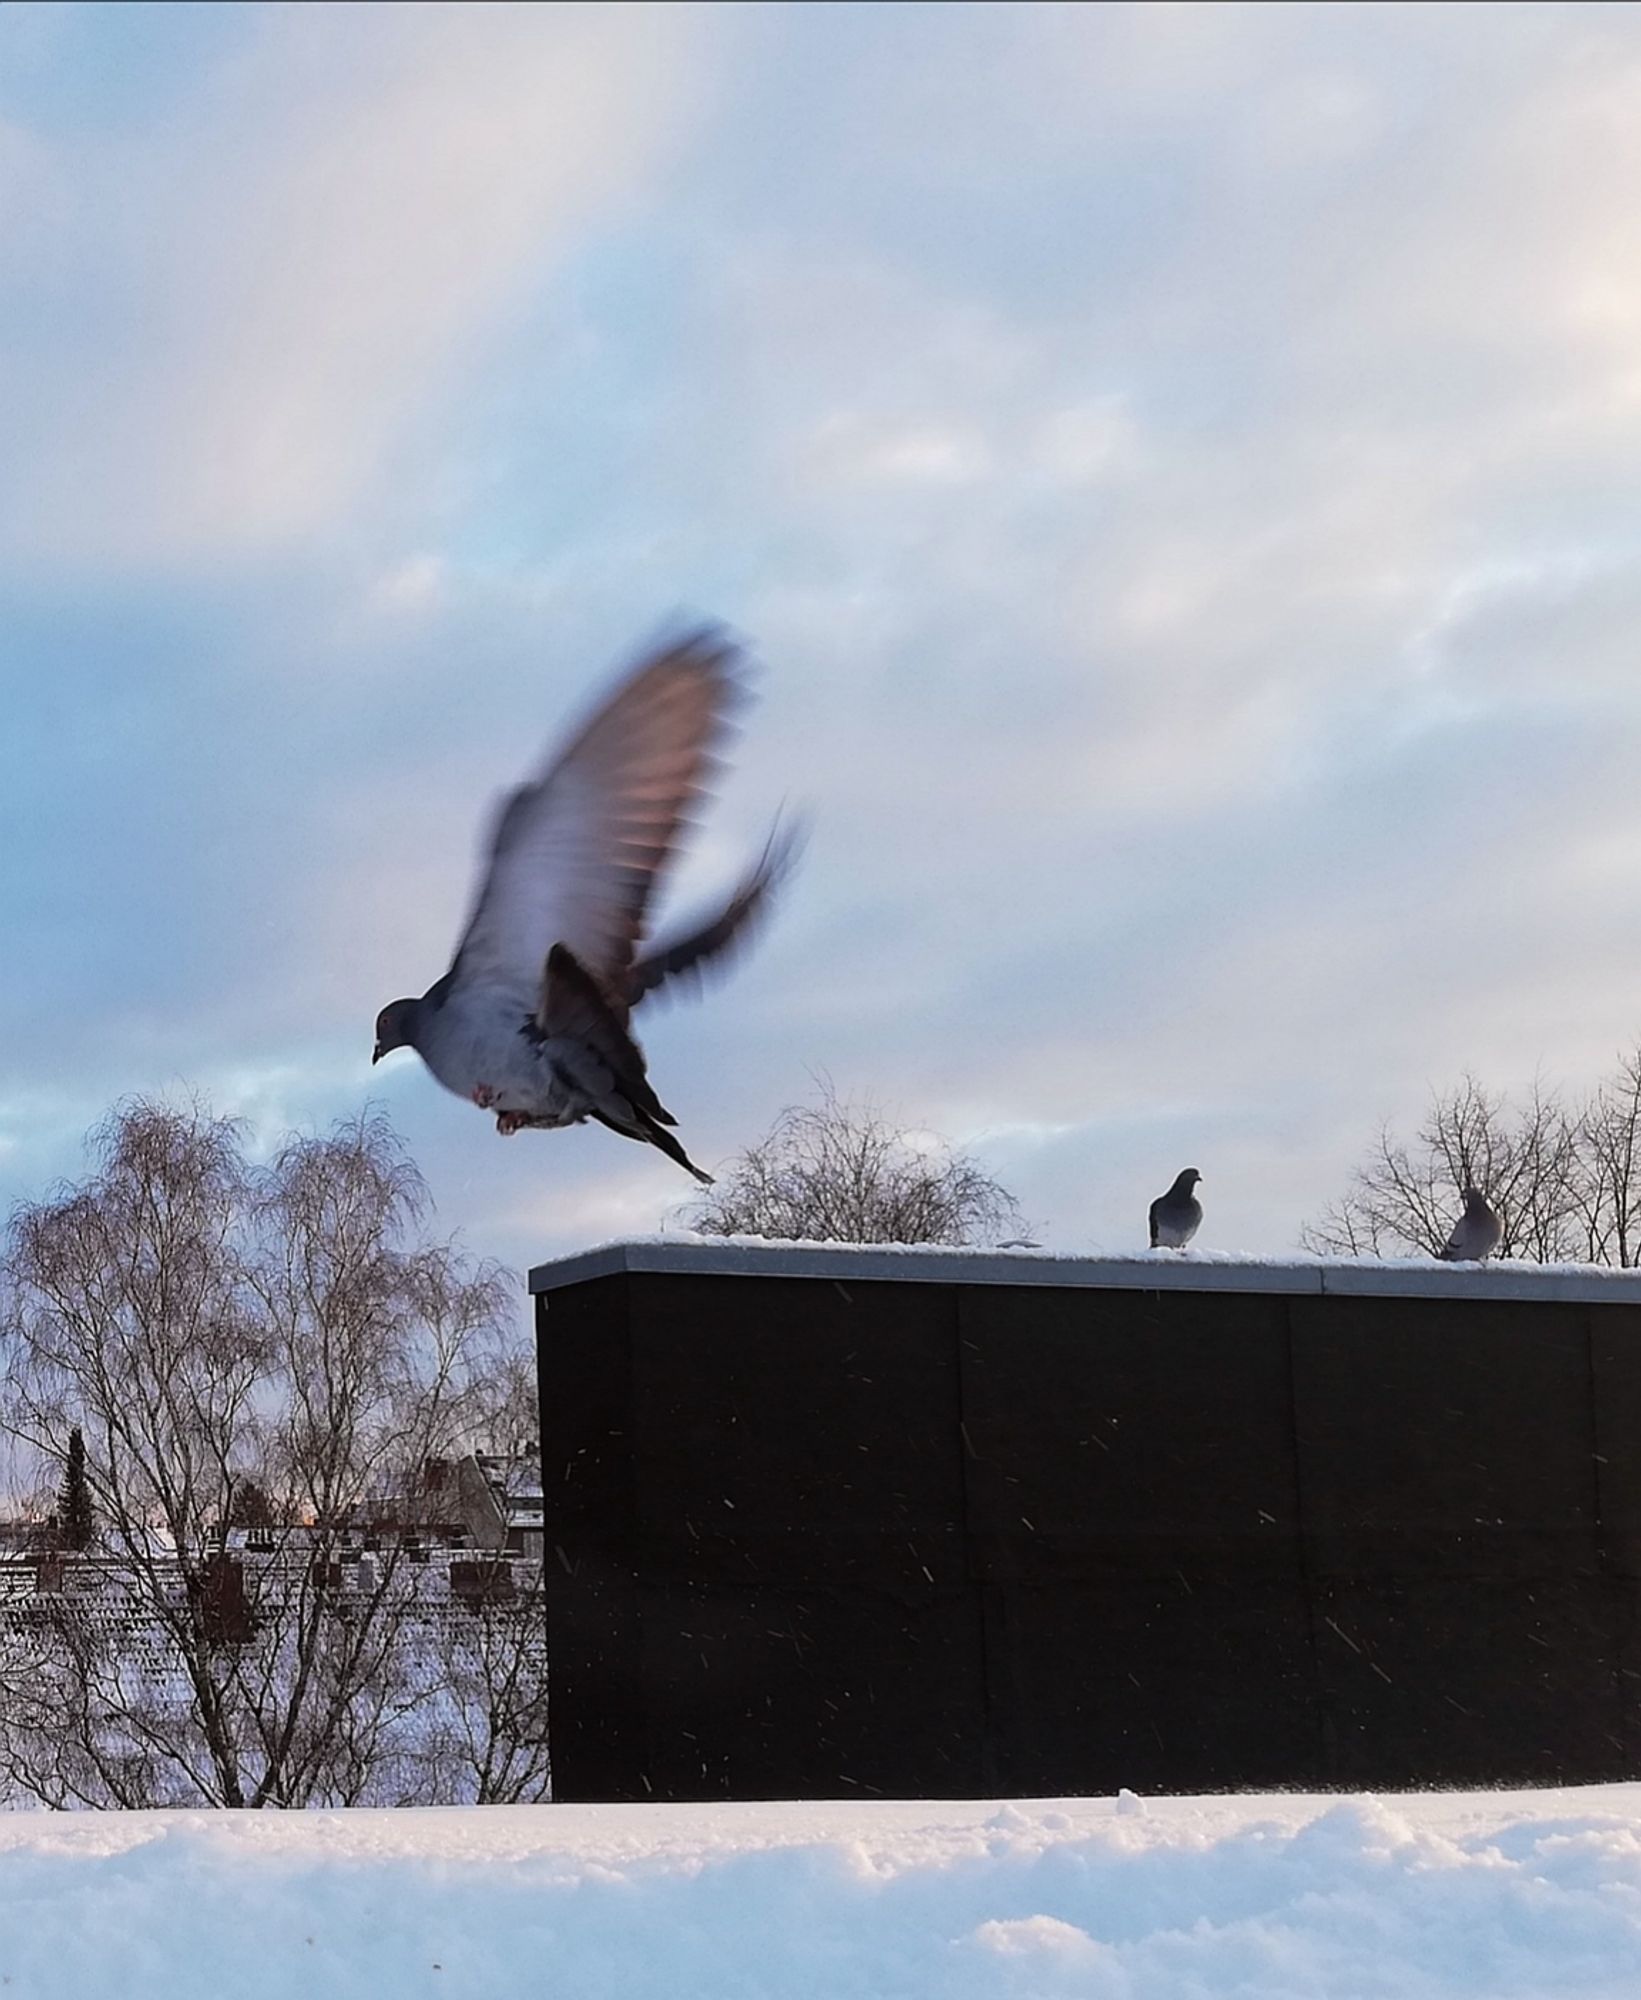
<point>477,1501</point>
<point>469,1536</point>
<point>496,1501</point>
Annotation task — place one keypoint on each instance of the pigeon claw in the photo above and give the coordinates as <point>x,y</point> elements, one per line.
<point>509,1122</point>
<point>484,1097</point>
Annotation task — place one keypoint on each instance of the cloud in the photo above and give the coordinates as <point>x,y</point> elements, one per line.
<point>273,285</point>
<point>1176,462</point>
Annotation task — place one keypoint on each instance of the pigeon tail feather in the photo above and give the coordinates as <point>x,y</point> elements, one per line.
<point>646,1131</point>
<point>575,1008</point>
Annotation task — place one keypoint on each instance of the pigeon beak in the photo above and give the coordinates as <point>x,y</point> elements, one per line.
<point>377,1054</point>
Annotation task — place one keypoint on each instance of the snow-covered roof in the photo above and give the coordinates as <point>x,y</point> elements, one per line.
<point>516,1484</point>
<point>1155,1271</point>
<point>512,1478</point>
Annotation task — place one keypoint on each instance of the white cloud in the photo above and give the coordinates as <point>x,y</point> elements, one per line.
<point>852,453</point>
<point>1177,462</point>
<point>282,277</point>
<point>418,584</point>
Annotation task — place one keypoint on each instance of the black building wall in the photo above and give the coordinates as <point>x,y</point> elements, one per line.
<point>834,1535</point>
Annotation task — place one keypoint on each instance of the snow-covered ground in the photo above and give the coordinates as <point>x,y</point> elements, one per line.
<point>1464,1896</point>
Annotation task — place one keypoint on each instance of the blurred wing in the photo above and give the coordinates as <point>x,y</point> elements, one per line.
<point>681,964</point>
<point>574,855</point>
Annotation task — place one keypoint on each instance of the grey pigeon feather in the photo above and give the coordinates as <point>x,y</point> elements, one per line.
<point>1176,1216</point>
<point>1476,1234</point>
<point>531,1020</point>
<point>680,964</point>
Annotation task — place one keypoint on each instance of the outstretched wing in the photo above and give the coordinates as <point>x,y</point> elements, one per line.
<point>684,961</point>
<point>575,853</point>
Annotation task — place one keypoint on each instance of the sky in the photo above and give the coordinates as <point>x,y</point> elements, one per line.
<point>1176,466</point>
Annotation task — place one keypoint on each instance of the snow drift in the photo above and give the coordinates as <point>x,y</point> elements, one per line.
<point>1451,1897</point>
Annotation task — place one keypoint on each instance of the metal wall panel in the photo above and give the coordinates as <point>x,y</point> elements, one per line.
<point>811,1537</point>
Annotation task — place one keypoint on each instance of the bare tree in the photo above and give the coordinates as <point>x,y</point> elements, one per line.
<point>235,1341</point>
<point>1562,1179</point>
<point>840,1172</point>
<point>488,1734</point>
<point>1610,1183</point>
<point>508,1420</point>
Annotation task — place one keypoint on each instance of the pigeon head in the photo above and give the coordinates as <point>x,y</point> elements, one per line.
<point>395,1027</point>
<point>1186,1182</point>
<point>1473,1197</point>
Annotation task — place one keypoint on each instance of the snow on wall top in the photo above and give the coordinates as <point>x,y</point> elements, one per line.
<point>1153,1271</point>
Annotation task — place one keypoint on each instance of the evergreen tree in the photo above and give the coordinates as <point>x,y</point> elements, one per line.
<point>75,1519</point>
<point>250,1507</point>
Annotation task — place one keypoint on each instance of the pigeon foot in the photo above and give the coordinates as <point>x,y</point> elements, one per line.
<point>484,1096</point>
<point>509,1122</point>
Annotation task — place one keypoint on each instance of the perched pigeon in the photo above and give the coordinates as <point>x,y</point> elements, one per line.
<point>530,1022</point>
<point>1476,1234</point>
<point>1177,1215</point>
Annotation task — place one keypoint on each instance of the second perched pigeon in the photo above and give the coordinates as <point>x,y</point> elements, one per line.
<point>530,1022</point>
<point>1177,1215</point>
<point>1476,1234</point>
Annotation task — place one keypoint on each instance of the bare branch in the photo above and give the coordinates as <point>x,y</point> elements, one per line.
<point>1563,1181</point>
<point>839,1172</point>
<point>214,1329</point>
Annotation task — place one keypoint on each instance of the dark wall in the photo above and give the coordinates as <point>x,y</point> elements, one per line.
<point>810,1539</point>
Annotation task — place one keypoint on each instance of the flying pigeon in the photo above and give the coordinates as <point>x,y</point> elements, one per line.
<point>531,1020</point>
<point>1476,1234</point>
<point>1177,1215</point>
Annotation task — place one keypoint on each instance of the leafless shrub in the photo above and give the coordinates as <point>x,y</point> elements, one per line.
<point>841,1172</point>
